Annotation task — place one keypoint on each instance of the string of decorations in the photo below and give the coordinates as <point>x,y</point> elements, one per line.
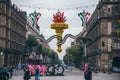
<point>71,8</point>
<point>59,25</point>
<point>58,37</point>
<point>60,17</point>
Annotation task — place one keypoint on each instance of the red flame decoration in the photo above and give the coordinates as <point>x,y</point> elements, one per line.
<point>59,17</point>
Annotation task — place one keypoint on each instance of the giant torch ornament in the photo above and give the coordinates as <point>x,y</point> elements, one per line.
<point>59,25</point>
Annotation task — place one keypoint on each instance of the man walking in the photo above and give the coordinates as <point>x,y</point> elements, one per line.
<point>26,74</point>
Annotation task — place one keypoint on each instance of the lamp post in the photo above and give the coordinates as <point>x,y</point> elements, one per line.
<point>2,55</point>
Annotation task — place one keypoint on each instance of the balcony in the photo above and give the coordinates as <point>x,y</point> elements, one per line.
<point>116,46</point>
<point>115,33</point>
<point>111,1</point>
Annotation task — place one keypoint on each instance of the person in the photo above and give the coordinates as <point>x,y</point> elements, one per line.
<point>37,74</point>
<point>11,71</point>
<point>85,67</point>
<point>88,74</point>
<point>4,75</point>
<point>19,66</point>
<point>26,74</point>
<point>1,77</point>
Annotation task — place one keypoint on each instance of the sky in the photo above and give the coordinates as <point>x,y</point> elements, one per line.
<point>47,8</point>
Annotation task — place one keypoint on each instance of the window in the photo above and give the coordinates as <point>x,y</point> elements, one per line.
<point>109,10</point>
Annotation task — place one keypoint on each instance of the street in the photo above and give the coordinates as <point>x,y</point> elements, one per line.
<point>72,75</point>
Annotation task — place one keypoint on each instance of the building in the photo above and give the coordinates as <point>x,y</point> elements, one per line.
<point>12,33</point>
<point>104,49</point>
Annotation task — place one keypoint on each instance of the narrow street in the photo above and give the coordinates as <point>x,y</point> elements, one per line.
<point>72,75</point>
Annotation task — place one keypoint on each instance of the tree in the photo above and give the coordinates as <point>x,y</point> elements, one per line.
<point>76,52</point>
<point>76,55</point>
<point>73,55</point>
<point>39,49</point>
<point>54,57</point>
<point>30,43</point>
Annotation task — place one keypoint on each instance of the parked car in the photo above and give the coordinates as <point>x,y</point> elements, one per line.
<point>116,69</point>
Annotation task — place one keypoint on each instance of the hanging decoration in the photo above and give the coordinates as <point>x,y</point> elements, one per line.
<point>63,40</point>
<point>35,17</point>
<point>70,8</point>
<point>59,17</point>
<point>84,18</point>
<point>59,25</point>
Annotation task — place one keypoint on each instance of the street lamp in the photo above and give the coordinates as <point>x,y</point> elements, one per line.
<point>2,63</point>
<point>1,52</point>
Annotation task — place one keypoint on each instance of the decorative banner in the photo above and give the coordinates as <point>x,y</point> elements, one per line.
<point>35,17</point>
<point>58,37</point>
<point>49,39</point>
<point>84,18</point>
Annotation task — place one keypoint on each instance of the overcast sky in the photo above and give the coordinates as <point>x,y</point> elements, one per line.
<point>47,8</point>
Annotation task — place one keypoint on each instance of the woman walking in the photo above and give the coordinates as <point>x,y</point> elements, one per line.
<point>37,74</point>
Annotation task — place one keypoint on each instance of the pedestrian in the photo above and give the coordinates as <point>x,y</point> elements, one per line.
<point>26,74</point>
<point>1,77</point>
<point>37,74</point>
<point>85,67</point>
<point>4,75</point>
<point>19,66</point>
<point>11,71</point>
<point>88,74</point>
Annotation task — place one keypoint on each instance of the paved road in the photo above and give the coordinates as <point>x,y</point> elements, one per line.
<point>73,75</point>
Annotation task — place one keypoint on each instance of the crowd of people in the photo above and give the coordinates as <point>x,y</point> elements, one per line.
<point>34,70</point>
<point>29,70</point>
<point>6,73</point>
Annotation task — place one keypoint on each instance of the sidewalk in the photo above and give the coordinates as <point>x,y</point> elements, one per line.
<point>16,72</point>
<point>106,74</point>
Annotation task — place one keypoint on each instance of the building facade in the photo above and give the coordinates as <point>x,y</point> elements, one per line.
<point>103,51</point>
<point>12,33</point>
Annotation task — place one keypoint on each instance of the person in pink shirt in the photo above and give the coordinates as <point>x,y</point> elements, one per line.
<point>85,67</point>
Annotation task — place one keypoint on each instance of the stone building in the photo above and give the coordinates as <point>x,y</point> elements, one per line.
<point>104,31</point>
<point>12,33</point>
